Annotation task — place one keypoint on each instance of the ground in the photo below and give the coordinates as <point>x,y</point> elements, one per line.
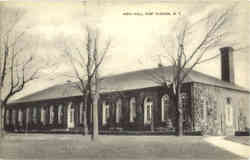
<point>239,139</point>
<point>56,146</point>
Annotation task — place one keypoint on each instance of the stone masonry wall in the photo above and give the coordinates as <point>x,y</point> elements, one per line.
<point>215,99</point>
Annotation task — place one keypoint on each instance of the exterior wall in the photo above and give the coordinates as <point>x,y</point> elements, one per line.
<point>31,126</point>
<point>155,93</point>
<point>125,123</point>
<point>140,95</point>
<point>215,123</point>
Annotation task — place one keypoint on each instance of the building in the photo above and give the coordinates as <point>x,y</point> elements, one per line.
<point>134,101</point>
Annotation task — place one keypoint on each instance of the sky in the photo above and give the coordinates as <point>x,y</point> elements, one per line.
<point>135,39</point>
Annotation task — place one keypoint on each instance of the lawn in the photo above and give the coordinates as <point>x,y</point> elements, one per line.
<point>42,146</point>
<point>239,139</point>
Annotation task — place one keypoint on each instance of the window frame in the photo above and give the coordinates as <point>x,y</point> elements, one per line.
<point>81,113</point>
<point>105,112</point>
<point>185,103</point>
<point>27,115</point>
<point>204,107</point>
<point>60,114</point>
<point>43,116</point>
<point>118,110</point>
<point>20,116</point>
<point>229,112</point>
<point>148,110</point>
<point>7,117</point>
<point>132,107</point>
<point>13,118</point>
<point>51,114</point>
<point>34,115</point>
<point>164,107</point>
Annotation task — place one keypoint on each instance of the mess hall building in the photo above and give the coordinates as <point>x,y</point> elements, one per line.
<point>134,101</point>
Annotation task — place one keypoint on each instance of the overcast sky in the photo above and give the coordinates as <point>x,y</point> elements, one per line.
<point>135,38</point>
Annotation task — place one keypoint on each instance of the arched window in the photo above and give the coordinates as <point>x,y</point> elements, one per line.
<point>184,100</point>
<point>34,115</point>
<point>60,114</point>
<point>43,115</point>
<point>229,112</point>
<point>20,117</point>
<point>105,112</point>
<point>71,115</point>
<point>118,110</point>
<point>132,105</point>
<point>7,117</point>
<point>165,102</point>
<point>148,104</point>
<point>27,115</point>
<point>51,114</point>
<point>81,113</point>
<point>13,116</point>
<point>204,105</point>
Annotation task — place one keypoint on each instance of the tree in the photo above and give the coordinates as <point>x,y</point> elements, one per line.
<point>194,38</point>
<point>17,65</point>
<point>86,63</point>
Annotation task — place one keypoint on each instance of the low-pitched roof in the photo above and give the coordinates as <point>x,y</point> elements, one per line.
<point>127,81</point>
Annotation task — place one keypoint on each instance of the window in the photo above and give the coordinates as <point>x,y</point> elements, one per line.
<point>43,115</point>
<point>81,113</point>
<point>118,110</point>
<point>164,107</point>
<point>72,115</point>
<point>7,117</point>
<point>27,115</point>
<point>184,100</point>
<point>51,114</point>
<point>148,103</point>
<point>34,115</point>
<point>105,112</point>
<point>229,112</point>
<point>13,116</point>
<point>132,105</point>
<point>204,104</point>
<point>20,117</point>
<point>60,114</point>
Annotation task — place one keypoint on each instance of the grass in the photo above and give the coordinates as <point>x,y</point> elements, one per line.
<point>239,139</point>
<point>40,146</point>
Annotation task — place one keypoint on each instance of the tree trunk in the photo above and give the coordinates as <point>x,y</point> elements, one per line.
<point>1,119</point>
<point>85,124</point>
<point>95,107</point>
<point>180,111</point>
<point>1,113</point>
<point>95,117</point>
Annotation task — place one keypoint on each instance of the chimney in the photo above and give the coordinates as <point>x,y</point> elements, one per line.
<point>227,64</point>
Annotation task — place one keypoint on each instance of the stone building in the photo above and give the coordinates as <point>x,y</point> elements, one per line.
<point>134,101</point>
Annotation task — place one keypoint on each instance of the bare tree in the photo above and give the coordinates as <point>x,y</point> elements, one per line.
<point>17,67</point>
<point>86,62</point>
<point>194,38</point>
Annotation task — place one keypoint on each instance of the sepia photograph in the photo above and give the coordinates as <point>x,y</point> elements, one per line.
<point>125,80</point>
